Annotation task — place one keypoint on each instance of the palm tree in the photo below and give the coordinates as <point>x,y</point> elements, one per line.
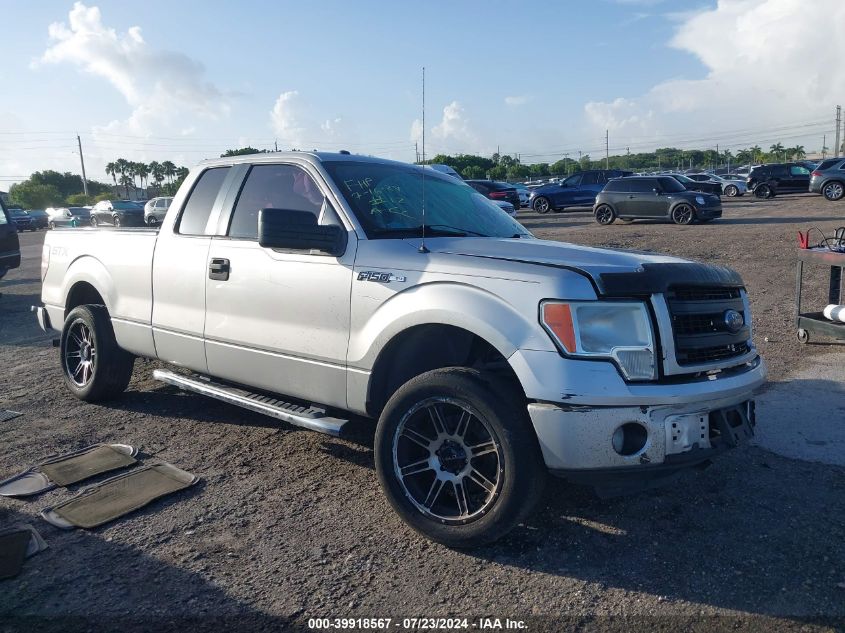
<point>755,152</point>
<point>157,172</point>
<point>798,152</point>
<point>121,165</point>
<point>169,170</point>
<point>143,171</point>
<point>111,170</point>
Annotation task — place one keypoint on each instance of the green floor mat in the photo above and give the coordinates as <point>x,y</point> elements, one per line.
<point>71,468</point>
<point>13,548</point>
<point>94,460</point>
<point>118,496</point>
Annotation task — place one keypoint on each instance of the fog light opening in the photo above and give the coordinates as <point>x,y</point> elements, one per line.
<point>629,439</point>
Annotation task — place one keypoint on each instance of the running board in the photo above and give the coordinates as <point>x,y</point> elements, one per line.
<point>312,418</point>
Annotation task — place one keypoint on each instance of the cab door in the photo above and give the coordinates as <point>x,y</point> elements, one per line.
<point>180,265</point>
<point>278,320</point>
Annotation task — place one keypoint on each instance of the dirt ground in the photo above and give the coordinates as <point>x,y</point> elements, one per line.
<point>289,525</point>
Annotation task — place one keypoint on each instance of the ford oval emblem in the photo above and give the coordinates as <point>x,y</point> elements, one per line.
<point>733,321</point>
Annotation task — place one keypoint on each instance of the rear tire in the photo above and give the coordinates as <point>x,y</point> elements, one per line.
<point>457,456</point>
<point>94,221</point>
<point>116,221</point>
<point>731,191</point>
<point>542,205</point>
<point>833,191</point>
<point>605,214</point>
<point>94,367</point>
<point>763,191</point>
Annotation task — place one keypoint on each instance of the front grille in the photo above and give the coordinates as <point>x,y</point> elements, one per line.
<point>712,354</point>
<point>706,294</point>
<point>699,326</point>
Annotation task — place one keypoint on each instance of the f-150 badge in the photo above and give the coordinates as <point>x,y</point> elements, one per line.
<point>372,275</point>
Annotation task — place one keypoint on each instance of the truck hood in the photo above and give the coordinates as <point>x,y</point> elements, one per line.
<point>613,272</point>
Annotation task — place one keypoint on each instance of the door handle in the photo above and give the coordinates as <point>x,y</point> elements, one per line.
<point>218,269</point>
<point>631,197</point>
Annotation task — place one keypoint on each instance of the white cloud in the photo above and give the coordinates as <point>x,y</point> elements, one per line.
<point>453,125</point>
<point>770,63</point>
<point>286,119</point>
<point>163,88</point>
<point>518,100</point>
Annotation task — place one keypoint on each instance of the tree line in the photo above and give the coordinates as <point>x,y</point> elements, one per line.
<point>50,188</point>
<point>504,167</point>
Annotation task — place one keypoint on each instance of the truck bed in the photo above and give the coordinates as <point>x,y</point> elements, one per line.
<point>118,262</point>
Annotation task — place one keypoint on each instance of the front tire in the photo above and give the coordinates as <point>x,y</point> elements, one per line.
<point>116,221</point>
<point>542,205</point>
<point>683,214</point>
<point>94,367</point>
<point>833,191</point>
<point>457,457</point>
<point>94,221</point>
<point>731,191</point>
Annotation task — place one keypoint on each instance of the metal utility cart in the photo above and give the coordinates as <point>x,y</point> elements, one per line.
<point>815,322</point>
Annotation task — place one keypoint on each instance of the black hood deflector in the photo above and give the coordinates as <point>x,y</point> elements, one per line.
<point>658,278</point>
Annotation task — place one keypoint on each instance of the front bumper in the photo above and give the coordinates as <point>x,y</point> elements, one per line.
<point>580,439</point>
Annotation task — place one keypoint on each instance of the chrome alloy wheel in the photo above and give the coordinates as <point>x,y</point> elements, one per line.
<point>683,214</point>
<point>833,191</point>
<point>80,354</point>
<point>448,460</point>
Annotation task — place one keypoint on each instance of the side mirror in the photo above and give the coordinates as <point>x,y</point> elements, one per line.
<point>298,230</point>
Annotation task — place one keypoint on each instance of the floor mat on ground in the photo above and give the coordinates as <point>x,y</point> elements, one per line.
<point>118,496</point>
<point>36,543</point>
<point>8,415</point>
<point>13,546</point>
<point>64,470</point>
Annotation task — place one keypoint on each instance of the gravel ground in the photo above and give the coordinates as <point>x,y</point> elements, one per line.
<point>288,525</point>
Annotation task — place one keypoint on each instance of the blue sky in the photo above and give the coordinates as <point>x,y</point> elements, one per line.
<point>186,80</point>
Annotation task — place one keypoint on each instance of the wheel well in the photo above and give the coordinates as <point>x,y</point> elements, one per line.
<point>82,293</point>
<point>423,348</point>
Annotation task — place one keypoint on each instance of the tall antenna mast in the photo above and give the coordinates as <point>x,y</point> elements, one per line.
<point>422,248</point>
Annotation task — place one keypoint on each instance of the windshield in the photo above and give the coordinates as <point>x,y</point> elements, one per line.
<point>79,211</point>
<point>388,199</point>
<point>126,206</point>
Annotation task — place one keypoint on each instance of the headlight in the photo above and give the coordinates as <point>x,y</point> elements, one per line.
<point>699,199</point>
<point>604,329</point>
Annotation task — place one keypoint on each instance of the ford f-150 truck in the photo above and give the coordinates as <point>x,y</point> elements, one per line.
<point>313,286</point>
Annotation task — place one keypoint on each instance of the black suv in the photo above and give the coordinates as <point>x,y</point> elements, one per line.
<point>10,250</point>
<point>828,179</point>
<point>766,181</point>
<point>579,190</point>
<point>659,197</point>
<point>496,190</point>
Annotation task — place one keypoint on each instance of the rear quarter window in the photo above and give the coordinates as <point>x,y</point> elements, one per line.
<point>198,207</point>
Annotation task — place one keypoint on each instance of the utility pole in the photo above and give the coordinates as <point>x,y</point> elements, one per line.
<point>627,156</point>
<point>824,146</point>
<point>717,155</point>
<point>607,149</point>
<point>417,152</point>
<point>838,122</point>
<point>276,144</point>
<point>82,162</point>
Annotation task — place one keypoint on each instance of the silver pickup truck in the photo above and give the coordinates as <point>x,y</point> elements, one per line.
<point>312,287</point>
